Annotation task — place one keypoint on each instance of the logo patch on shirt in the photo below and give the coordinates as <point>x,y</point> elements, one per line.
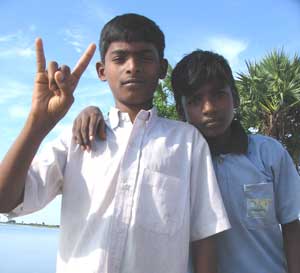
<point>258,208</point>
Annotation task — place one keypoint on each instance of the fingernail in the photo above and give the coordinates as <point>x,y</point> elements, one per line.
<point>91,138</point>
<point>61,78</point>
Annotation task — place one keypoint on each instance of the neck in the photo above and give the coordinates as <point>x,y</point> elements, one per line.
<point>133,110</point>
<point>221,143</point>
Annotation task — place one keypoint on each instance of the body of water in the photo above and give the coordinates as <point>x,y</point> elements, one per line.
<point>27,249</point>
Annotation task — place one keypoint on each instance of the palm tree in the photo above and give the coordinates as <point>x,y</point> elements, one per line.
<point>270,99</point>
<point>164,99</point>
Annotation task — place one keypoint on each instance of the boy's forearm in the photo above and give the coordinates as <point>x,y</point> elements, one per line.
<point>204,255</point>
<point>15,165</point>
<point>291,238</point>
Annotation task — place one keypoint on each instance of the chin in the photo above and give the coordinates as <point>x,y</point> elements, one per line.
<point>212,133</point>
<point>136,101</point>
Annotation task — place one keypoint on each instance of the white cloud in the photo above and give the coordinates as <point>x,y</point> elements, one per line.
<point>27,52</point>
<point>32,28</point>
<point>75,38</point>
<point>101,12</point>
<point>91,73</point>
<point>228,47</point>
<point>103,15</point>
<point>7,38</point>
<point>18,111</point>
<point>13,90</point>
<point>92,91</point>
<point>231,48</point>
<point>17,44</point>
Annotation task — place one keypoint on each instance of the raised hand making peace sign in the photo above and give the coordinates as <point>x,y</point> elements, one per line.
<point>52,98</point>
<point>54,87</point>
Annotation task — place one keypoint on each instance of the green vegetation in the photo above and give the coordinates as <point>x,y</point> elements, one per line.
<point>270,99</point>
<point>163,98</point>
<point>13,222</point>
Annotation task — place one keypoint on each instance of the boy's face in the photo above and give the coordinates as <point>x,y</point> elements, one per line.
<point>210,109</point>
<point>132,71</point>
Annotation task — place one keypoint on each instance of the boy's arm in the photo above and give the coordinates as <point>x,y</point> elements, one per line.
<point>204,255</point>
<point>291,239</point>
<point>208,215</point>
<point>87,125</point>
<point>287,198</point>
<point>52,98</point>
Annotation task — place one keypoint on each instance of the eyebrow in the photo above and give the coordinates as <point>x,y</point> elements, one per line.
<point>126,52</point>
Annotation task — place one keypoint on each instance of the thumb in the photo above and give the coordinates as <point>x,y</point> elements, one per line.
<point>62,83</point>
<point>60,80</point>
<point>64,87</point>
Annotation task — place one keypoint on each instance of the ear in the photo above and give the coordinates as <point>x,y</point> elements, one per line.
<point>100,67</point>
<point>236,100</point>
<point>163,68</point>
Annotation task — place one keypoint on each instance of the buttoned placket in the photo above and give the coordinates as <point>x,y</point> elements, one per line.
<point>129,169</point>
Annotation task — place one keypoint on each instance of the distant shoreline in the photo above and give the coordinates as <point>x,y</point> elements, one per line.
<point>30,224</point>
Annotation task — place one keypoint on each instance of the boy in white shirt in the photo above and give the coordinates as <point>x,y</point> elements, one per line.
<point>136,202</point>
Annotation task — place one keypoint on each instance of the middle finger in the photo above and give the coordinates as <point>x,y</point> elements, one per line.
<point>52,68</point>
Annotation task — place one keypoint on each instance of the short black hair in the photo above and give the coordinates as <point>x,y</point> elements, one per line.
<point>195,70</point>
<point>131,27</point>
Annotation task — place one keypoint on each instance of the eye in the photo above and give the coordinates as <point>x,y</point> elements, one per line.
<point>147,57</point>
<point>220,93</point>
<point>195,100</point>
<point>118,59</point>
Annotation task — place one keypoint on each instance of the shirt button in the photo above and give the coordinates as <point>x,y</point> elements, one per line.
<point>124,179</point>
<point>220,160</point>
<point>126,187</point>
<point>167,217</point>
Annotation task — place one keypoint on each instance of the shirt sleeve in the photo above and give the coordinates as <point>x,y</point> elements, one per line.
<point>208,215</point>
<point>44,178</point>
<point>286,182</point>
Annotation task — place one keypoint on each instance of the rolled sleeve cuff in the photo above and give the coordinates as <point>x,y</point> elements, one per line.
<point>211,229</point>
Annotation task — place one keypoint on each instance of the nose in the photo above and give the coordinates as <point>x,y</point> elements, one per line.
<point>133,66</point>
<point>208,105</point>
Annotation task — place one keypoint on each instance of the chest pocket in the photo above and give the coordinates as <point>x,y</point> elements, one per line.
<point>161,203</point>
<point>259,205</point>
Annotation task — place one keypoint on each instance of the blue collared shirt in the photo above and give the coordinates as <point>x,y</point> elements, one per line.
<point>260,190</point>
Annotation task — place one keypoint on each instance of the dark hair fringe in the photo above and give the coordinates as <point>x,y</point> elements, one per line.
<point>131,27</point>
<point>198,68</point>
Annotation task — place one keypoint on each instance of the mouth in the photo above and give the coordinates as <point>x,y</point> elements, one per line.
<point>211,122</point>
<point>133,81</point>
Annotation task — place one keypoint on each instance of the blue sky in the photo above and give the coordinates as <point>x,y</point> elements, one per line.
<point>238,29</point>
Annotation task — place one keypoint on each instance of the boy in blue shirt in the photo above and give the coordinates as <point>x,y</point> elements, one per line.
<point>258,180</point>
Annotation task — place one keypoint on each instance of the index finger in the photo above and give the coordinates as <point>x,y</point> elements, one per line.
<point>84,61</point>
<point>40,56</point>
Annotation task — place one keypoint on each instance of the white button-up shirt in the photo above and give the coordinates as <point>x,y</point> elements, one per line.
<point>135,202</point>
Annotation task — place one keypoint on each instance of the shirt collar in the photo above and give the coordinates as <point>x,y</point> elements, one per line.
<point>115,116</point>
<point>238,142</point>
